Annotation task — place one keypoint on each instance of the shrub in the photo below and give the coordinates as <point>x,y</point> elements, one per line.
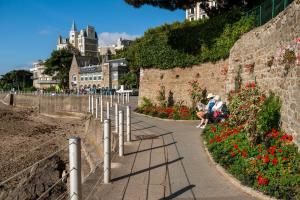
<point>271,164</point>
<point>146,103</point>
<point>163,115</point>
<point>170,101</point>
<point>162,96</point>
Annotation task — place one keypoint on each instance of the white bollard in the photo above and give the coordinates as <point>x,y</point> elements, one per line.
<point>128,124</point>
<point>116,117</point>
<point>118,98</point>
<point>92,105</point>
<point>123,98</point>
<point>111,101</point>
<point>121,134</point>
<point>107,160</point>
<point>97,103</point>
<point>101,108</point>
<point>107,110</point>
<point>89,108</point>
<point>75,168</point>
<point>128,96</point>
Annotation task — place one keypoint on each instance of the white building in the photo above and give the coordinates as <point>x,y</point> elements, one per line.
<point>86,40</point>
<point>40,80</point>
<point>196,12</point>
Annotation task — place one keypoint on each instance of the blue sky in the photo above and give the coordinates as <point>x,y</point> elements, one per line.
<point>29,28</point>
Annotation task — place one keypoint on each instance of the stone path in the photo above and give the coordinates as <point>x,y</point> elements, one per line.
<point>170,165</point>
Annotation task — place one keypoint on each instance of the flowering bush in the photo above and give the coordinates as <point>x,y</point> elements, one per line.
<point>254,112</point>
<point>271,163</point>
<point>177,112</point>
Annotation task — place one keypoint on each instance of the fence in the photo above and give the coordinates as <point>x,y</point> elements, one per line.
<point>268,10</point>
<point>73,174</point>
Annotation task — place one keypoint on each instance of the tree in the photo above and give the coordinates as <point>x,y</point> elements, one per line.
<point>130,80</point>
<point>59,63</point>
<point>223,5</point>
<point>18,79</point>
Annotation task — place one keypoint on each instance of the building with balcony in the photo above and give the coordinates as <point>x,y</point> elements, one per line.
<point>40,80</point>
<point>196,12</point>
<point>87,72</point>
<point>85,40</point>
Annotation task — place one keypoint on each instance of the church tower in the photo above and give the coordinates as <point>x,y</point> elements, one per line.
<point>73,36</point>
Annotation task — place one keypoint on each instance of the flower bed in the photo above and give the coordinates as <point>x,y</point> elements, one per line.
<point>251,146</point>
<point>175,112</point>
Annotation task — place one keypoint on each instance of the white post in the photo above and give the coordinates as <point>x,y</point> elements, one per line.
<point>111,100</point>
<point>116,117</point>
<point>97,103</point>
<point>89,109</point>
<point>123,98</point>
<point>121,134</point>
<point>92,104</point>
<point>128,124</point>
<point>118,98</point>
<point>75,168</point>
<point>114,95</point>
<point>107,161</point>
<point>128,97</point>
<point>101,108</point>
<point>107,110</point>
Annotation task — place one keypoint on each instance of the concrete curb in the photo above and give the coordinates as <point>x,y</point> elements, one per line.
<point>234,181</point>
<point>168,120</point>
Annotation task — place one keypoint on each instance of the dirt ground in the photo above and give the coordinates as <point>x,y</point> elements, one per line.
<point>26,137</point>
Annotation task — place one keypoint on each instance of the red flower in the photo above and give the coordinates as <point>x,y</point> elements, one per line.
<point>235,146</point>
<point>266,159</point>
<point>284,159</point>
<point>272,150</point>
<point>275,161</point>
<point>298,40</point>
<point>213,129</point>
<point>262,181</point>
<point>258,157</point>
<point>279,150</point>
<point>287,137</point>
<point>218,138</point>
<point>275,133</point>
<point>233,154</point>
<point>211,141</point>
<point>244,154</point>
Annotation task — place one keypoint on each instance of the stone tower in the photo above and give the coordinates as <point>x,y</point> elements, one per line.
<point>73,36</point>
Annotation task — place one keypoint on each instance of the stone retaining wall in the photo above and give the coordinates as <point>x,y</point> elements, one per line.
<point>209,75</point>
<point>257,55</point>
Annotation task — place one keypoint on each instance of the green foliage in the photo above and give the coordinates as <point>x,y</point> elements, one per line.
<point>17,79</point>
<point>129,80</point>
<point>170,102</point>
<point>146,103</point>
<point>58,65</point>
<point>188,43</point>
<point>161,98</point>
<point>271,168</point>
<point>269,114</point>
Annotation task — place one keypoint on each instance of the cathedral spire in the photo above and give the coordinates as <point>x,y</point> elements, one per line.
<point>73,26</point>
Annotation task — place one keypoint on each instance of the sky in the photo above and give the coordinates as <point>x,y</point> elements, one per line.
<point>29,28</point>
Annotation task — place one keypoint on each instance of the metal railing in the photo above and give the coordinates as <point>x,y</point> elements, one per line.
<point>268,10</point>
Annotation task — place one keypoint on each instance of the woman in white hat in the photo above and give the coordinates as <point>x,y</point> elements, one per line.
<point>208,109</point>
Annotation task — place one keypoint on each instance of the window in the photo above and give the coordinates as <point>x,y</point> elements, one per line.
<point>86,78</point>
<point>95,77</point>
<point>81,78</point>
<point>192,11</point>
<point>74,78</point>
<point>114,76</point>
<point>99,77</point>
<point>90,78</point>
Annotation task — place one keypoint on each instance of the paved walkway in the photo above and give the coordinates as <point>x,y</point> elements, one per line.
<point>172,165</point>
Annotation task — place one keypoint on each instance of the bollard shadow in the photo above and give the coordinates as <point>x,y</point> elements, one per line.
<point>178,192</point>
<point>130,153</point>
<point>143,128</point>
<point>137,122</point>
<point>146,170</point>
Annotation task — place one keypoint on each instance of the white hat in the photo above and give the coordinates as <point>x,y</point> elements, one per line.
<point>217,98</point>
<point>210,95</point>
